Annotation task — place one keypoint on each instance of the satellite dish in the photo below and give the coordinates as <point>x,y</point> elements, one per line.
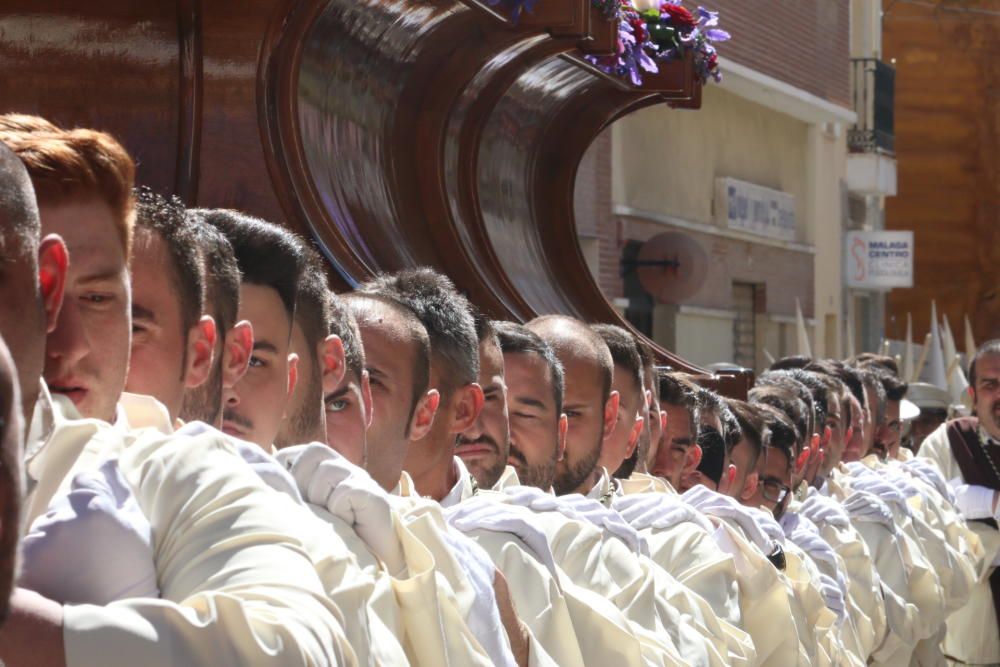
<point>672,267</point>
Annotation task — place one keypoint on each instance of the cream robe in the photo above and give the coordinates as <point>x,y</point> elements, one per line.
<point>906,581</point>
<point>971,635</point>
<point>237,584</point>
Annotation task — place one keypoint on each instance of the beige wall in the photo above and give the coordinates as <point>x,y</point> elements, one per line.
<point>667,161</point>
<point>702,339</point>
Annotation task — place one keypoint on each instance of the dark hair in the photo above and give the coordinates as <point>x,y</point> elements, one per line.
<point>730,425</point>
<point>313,311</point>
<point>988,349</point>
<point>713,453</point>
<point>345,326</point>
<point>648,360</point>
<point>267,254</point>
<point>518,339</point>
<point>820,386</point>
<point>849,376</point>
<point>356,305</point>
<point>782,435</point>
<point>872,383</point>
<point>222,274</point>
<point>163,216</point>
<point>445,314</point>
<point>752,427</point>
<point>18,208</point>
<point>624,351</point>
<point>785,363</point>
<point>886,371</point>
<point>790,405</point>
<point>789,381</point>
<point>680,393</point>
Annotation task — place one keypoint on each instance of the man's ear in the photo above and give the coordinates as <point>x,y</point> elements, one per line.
<point>236,353</point>
<point>468,404</point>
<point>200,352</point>
<point>561,443</point>
<point>611,414</point>
<point>334,365</point>
<point>423,416</point>
<point>293,372</point>
<point>750,486</point>
<point>633,436</point>
<point>693,457</point>
<point>366,398</point>
<point>727,479</point>
<point>53,263</point>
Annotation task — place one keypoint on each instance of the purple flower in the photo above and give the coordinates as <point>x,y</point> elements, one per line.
<point>706,18</point>
<point>717,34</point>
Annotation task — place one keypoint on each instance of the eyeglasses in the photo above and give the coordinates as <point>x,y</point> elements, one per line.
<point>774,490</point>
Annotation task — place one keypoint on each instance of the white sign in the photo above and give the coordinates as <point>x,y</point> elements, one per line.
<point>755,209</point>
<point>879,260</point>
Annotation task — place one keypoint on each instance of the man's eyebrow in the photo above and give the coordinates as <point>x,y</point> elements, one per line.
<point>683,441</point>
<point>530,402</point>
<point>108,273</point>
<point>334,395</point>
<point>375,372</point>
<point>142,313</point>
<point>263,345</point>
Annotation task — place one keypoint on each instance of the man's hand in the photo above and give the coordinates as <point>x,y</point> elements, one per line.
<point>32,636</point>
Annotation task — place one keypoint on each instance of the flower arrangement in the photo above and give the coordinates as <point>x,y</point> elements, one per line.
<point>648,34</point>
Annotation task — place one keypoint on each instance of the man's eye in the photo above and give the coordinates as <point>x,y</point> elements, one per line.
<point>257,362</point>
<point>97,299</point>
<point>523,415</point>
<point>336,406</point>
<point>572,414</point>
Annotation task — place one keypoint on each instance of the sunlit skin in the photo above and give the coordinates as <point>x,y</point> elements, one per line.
<point>690,476</point>
<point>254,407</point>
<point>678,439</point>
<point>891,434</point>
<point>873,429</point>
<point>745,481</point>
<point>537,430</point>
<point>624,437</point>
<point>854,449</point>
<point>348,416</point>
<point>390,359</point>
<point>485,445</point>
<point>775,477</point>
<point>590,421</point>
<point>320,369</point>
<point>652,427</point>
<point>166,359</point>
<point>986,393</point>
<point>87,353</point>
<point>833,448</point>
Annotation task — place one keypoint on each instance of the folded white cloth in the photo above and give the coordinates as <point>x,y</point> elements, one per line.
<point>865,479</point>
<point>833,595</point>
<point>93,545</point>
<point>659,511</point>
<point>803,533</point>
<point>483,513</point>
<point>973,501</point>
<point>931,474</point>
<point>715,504</point>
<point>328,480</point>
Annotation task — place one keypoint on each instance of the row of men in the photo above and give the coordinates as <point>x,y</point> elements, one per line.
<point>471,492</point>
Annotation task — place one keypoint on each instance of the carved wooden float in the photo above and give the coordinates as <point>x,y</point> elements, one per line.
<point>395,132</point>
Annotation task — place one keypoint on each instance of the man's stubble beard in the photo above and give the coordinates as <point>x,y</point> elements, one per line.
<point>306,425</point>
<point>571,476</point>
<point>204,402</point>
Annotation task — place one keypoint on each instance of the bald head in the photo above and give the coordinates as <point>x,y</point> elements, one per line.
<point>19,223</point>
<point>570,337</point>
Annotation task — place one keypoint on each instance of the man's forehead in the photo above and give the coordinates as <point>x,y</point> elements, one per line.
<point>988,367</point>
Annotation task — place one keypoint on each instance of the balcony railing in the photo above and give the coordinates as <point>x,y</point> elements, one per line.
<point>874,89</point>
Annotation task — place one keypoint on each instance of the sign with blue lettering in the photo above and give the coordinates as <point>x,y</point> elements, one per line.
<point>755,209</point>
<point>879,260</point>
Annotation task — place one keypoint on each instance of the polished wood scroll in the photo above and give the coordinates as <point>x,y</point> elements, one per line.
<point>395,132</point>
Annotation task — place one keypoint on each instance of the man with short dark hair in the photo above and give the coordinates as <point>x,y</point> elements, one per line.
<point>234,339</point>
<point>535,385</point>
<point>678,445</point>
<point>447,318</point>
<point>270,261</point>
<point>627,381</point>
<point>589,403</point>
<point>348,406</point>
<point>484,447</point>
<point>168,298</point>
